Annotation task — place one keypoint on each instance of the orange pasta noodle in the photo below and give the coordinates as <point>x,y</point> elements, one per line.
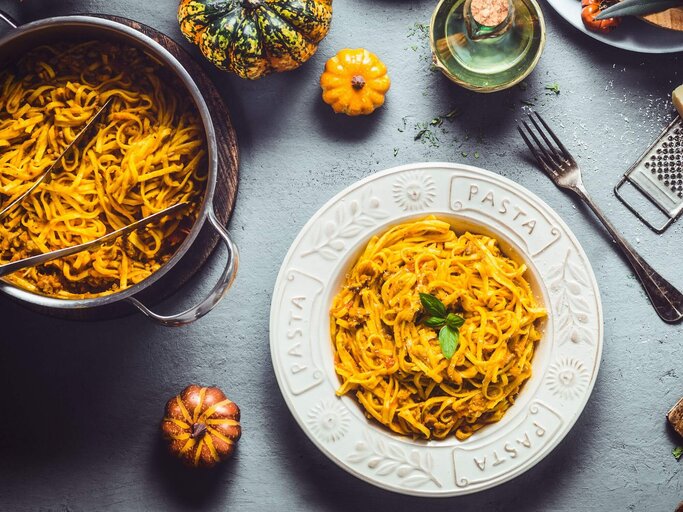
<point>148,154</point>
<point>393,364</point>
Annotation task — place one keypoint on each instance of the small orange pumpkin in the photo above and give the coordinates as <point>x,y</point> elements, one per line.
<point>201,425</point>
<point>355,82</point>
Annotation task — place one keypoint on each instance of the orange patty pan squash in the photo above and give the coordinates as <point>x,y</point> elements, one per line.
<point>355,82</point>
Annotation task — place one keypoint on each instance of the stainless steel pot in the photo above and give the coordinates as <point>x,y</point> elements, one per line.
<point>22,38</point>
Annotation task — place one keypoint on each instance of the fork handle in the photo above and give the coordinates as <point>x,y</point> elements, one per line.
<point>666,299</point>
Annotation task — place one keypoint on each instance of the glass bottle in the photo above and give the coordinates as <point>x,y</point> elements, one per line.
<point>487,44</point>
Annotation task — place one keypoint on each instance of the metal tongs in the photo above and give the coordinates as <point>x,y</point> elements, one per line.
<point>38,259</point>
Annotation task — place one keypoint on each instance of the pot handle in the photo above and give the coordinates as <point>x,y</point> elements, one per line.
<point>216,294</point>
<point>8,19</point>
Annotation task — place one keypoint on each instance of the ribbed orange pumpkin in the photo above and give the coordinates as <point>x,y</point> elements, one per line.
<point>354,82</point>
<point>201,425</point>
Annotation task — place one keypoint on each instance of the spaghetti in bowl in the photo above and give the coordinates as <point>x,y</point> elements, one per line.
<point>468,199</point>
<point>392,362</point>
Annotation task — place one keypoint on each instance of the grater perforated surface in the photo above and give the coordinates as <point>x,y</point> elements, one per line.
<point>658,175</point>
<point>666,161</point>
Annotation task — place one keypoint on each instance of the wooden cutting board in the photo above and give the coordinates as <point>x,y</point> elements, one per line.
<point>671,19</point>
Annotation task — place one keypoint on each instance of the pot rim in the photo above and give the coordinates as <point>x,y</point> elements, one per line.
<point>121,32</point>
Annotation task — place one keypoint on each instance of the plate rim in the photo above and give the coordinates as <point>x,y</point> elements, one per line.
<point>418,166</point>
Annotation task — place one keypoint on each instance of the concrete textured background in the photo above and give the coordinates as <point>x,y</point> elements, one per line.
<point>81,402</point>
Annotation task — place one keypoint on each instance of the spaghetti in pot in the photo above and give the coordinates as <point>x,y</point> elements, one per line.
<point>393,364</point>
<point>148,154</point>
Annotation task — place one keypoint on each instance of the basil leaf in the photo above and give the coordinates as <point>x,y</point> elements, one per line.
<point>434,322</point>
<point>448,339</point>
<point>432,305</point>
<point>454,321</point>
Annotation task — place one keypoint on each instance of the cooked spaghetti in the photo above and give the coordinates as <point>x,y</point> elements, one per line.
<point>148,154</point>
<point>394,365</point>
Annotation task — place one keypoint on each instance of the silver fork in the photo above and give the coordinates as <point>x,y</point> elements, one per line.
<point>561,167</point>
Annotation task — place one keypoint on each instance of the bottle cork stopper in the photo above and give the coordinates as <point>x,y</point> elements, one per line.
<point>489,13</point>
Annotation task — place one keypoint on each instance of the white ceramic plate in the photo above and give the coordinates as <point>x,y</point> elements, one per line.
<point>564,367</point>
<point>633,34</point>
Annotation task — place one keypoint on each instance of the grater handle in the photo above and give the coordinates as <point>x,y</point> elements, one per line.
<point>666,299</point>
<point>617,192</point>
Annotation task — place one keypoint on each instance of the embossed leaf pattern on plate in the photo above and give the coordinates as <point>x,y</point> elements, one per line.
<point>350,218</point>
<point>568,284</point>
<point>414,469</point>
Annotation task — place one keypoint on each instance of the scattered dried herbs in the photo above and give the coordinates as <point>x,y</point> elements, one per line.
<point>425,135</point>
<point>418,34</point>
<point>419,30</point>
<point>553,88</point>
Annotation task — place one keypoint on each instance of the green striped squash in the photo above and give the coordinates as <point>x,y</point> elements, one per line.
<point>253,38</point>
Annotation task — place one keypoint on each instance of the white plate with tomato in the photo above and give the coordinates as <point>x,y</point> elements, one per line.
<point>632,34</point>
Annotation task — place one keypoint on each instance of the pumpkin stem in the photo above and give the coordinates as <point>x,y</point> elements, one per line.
<point>198,430</point>
<point>358,82</point>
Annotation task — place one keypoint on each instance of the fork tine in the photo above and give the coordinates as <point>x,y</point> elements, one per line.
<point>539,158</point>
<point>556,153</point>
<point>550,161</point>
<point>566,153</point>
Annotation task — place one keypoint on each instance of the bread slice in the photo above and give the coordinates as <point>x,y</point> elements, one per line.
<point>677,97</point>
<point>675,417</point>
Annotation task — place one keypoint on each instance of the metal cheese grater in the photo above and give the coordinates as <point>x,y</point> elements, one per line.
<point>658,175</point>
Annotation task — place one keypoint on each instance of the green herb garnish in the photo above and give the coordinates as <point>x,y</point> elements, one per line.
<point>677,452</point>
<point>452,114</point>
<point>425,135</point>
<point>419,29</point>
<point>554,87</point>
<point>428,132</point>
<point>448,323</point>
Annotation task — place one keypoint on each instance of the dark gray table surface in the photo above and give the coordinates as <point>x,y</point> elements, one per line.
<point>81,402</point>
